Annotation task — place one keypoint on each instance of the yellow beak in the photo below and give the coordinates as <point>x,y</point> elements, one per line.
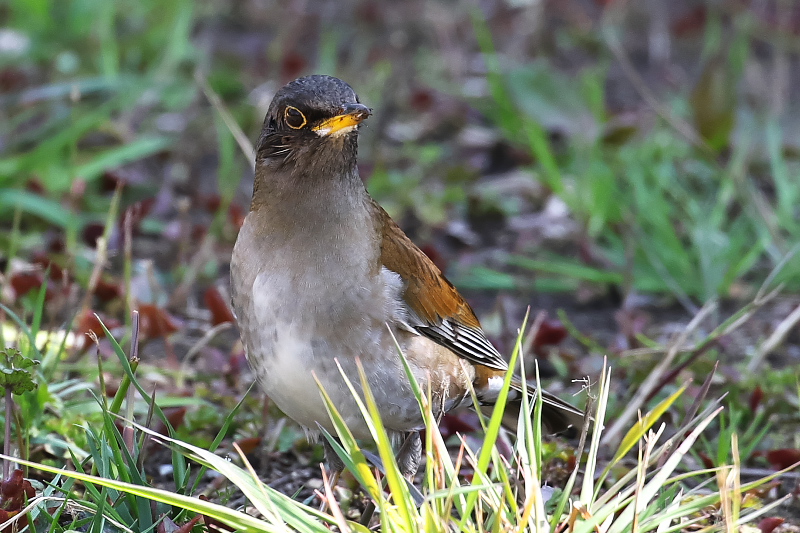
<point>352,115</point>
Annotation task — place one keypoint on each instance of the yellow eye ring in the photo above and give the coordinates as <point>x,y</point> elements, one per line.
<point>294,118</point>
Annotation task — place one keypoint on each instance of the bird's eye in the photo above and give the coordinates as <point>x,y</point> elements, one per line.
<point>295,118</point>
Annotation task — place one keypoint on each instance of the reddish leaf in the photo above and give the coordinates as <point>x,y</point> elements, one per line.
<point>707,462</point>
<point>211,202</point>
<point>167,525</point>
<point>434,255</point>
<point>35,186</point>
<point>783,457</point>
<point>692,22</point>
<point>767,525</point>
<point>551,332</point>
<point>220,311</point>
<point>249,444</point>
<point>237,362</point>
<point>16,526</point>
<point>14,490</point>
<point>56,272</point>
<point>92,232</point>
<point>236,215</point>
<point>156,322</point>
<point>187,527</point>
<point>11,487</point>
<point>110,180</point>
<point>198,232</point>
<point>107,291</point>
<point>12,79</point>
<point>756,398</point>
<point>24,282</point>
<point>89,322</point>
<point>421,99</point>
<point>292,66</point>
<point>175,416</point>
<point>457,423</point>
<point>57,246</point>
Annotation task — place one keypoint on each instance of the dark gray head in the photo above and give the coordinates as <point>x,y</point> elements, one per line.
<point>311,125</point>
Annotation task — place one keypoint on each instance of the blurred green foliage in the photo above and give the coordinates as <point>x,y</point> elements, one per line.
<point>663,213</point>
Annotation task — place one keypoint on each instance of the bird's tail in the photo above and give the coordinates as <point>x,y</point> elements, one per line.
<point>557,415</point>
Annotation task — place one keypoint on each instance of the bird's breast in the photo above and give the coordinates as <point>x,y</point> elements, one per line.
<point>307,309</point>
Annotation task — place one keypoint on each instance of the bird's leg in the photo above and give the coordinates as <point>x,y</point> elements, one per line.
<point>408,459</point>
<point>409,455</point>
<point>335,467</point>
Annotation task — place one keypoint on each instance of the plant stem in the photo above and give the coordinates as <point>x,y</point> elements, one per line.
<point>7,442</point>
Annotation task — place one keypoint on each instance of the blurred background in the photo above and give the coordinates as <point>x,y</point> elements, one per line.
<point>616,164</point>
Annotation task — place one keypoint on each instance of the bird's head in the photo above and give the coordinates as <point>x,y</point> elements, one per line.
<point>311,127</point>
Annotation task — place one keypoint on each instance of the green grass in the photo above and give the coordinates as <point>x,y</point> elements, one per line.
<point>666,216</point>
<point>661,213</point>
<point>112,491</point>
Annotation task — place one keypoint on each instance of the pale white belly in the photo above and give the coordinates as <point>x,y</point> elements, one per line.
<point>297,329</point>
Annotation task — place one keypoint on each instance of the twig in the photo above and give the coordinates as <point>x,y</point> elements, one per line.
<point>101,253</point>
<point>695,407</point>
<point>241,139</point>
<point>198,262</point>
<point>7,443</point>
<point>653,379</point>
<point>669,376</point>
<point>774,340</point>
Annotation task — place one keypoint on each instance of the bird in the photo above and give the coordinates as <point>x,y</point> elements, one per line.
<point>324,281</point>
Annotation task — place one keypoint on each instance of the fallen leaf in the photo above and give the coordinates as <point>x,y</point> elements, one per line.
<point>88,322</point>
<point>220,310</point>
<point>714,102</point>
<point>24,282</point>
<point>783,457</point>
<point>236,215</point>
<point>463,422</point>
<point>756,398</point>
<point>434,255</point>
<point>187,527</point>
<point>292,65</point>
<point>767,525</point>
<point>107,291</point>
<point>249,444</point>
<point>91,232</point>
<point>707,461</point>
<point>156,322</point>
<point>175,416</point>
<point>691,22</point>
<point>43,260</point>
<point>421,99</point>
<point>551,333</point>
<point>110,180</point>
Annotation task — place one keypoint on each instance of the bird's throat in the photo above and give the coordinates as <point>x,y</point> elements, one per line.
<point>323,206</point>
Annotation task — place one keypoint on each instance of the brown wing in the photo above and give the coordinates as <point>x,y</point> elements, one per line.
<point>438,310</point>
